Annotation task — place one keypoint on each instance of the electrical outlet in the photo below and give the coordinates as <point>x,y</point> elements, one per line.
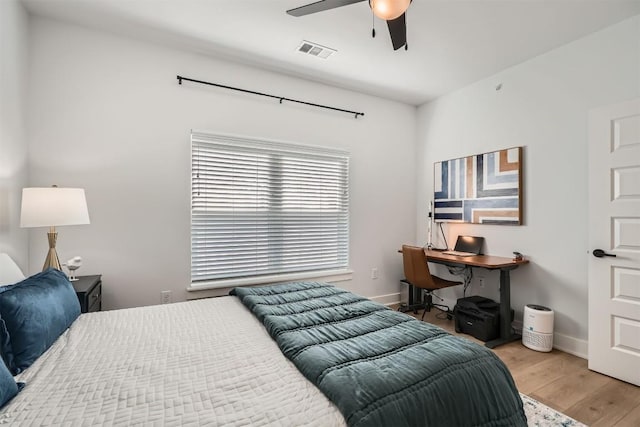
<point>374,273</point>
<point>481,282</point>
<point>165,297</point>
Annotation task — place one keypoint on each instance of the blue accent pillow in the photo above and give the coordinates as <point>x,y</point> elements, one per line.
<point>8,386</point>
<point>33,314</point>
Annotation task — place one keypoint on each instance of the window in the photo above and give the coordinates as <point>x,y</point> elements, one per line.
<point>262,208</point>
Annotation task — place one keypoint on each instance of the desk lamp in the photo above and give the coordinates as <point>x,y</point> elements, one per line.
<point>51,207</point>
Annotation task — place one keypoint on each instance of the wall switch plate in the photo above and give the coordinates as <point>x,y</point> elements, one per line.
<point>374,273</point>
<point>165,297</point>
<point>481,282</point>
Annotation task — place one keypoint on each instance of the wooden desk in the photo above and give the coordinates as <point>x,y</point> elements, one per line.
<point>490,262</point>
<point>484,261</point>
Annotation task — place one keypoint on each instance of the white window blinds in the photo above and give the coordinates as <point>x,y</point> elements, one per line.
<point>263,208</point>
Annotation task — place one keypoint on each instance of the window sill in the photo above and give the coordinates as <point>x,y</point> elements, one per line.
<point>330,276</point>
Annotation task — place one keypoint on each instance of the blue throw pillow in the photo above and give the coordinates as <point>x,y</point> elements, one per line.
<point>8,386</point>
<point>33,314</point>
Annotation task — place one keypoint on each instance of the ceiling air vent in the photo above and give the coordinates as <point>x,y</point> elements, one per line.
<point>315,49</point>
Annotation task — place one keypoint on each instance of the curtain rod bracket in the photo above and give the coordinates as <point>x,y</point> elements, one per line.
<point>281,98</point>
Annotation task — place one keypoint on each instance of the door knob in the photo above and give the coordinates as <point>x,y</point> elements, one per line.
<point>599,253</point>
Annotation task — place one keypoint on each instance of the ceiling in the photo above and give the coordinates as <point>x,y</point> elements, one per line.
<point>452,43</point>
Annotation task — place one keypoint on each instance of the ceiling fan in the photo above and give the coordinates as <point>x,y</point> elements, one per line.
<point>392,11</point>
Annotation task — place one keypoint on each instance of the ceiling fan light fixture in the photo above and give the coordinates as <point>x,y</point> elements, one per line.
<point>389,9</point>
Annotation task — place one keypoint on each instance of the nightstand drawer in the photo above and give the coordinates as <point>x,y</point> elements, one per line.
<point>89,292</point>
<point>94,299</point>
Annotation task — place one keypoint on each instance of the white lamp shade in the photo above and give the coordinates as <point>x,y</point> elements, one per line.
<point>53,206</point>
<point>389,9</point>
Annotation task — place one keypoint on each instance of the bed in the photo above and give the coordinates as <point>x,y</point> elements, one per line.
<point>203,362</point>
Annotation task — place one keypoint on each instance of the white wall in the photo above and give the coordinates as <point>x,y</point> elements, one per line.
<point>13,146</point>
<point>107,114</point>
<point>542,106</point>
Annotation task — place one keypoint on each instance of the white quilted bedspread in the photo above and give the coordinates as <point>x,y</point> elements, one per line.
<point>201,363</point>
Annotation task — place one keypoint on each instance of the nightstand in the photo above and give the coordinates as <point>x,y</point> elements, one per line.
<point>89,291</point>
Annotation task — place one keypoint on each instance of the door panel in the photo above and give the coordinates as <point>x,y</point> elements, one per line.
<point>626,183</point>
<point>626,284</point>
<point>626,132</point>
<point>626,234</point>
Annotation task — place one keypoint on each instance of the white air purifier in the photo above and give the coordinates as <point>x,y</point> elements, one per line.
<point>537,328</point>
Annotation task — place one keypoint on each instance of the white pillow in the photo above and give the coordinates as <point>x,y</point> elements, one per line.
<point>9,271</point>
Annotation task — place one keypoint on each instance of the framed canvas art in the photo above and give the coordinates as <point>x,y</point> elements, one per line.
<point>480,189</point>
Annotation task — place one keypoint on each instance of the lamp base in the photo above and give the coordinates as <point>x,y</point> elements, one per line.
<point>52,260</point>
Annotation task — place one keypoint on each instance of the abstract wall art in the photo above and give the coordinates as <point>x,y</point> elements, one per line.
<point>480,189</point>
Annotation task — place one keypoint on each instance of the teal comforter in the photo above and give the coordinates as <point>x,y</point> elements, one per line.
<point>381,367</point>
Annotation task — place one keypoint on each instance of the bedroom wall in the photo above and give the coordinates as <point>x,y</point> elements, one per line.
<point>542,105</point>
<point>13,147</point>
<point>107,114</point>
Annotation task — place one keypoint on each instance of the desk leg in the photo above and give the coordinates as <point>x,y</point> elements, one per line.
<point>415,300</point>
<point>506,335</point>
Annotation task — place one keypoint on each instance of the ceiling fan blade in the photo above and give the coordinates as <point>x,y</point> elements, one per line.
<point>320,6</point>
<point>398,31</point>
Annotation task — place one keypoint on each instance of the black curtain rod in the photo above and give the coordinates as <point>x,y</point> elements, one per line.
<point>281,98</point>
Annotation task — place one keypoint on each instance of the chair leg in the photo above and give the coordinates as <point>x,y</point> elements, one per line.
<point>429,304</point>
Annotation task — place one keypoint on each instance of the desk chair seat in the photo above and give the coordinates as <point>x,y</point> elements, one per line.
<point>416,272</point>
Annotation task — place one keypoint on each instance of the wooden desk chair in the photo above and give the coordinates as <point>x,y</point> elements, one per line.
<point>416,273</point>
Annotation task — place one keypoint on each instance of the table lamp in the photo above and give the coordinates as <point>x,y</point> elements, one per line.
<point>51,207</point>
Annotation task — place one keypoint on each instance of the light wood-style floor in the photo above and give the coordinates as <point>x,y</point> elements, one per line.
<point>563,382</point>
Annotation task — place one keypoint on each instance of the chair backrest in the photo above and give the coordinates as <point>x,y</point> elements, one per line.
<point>416,269</point>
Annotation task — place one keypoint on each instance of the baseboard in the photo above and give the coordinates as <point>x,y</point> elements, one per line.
<point>562,342</point>
<point>389,299</point>
<point>571,345</point>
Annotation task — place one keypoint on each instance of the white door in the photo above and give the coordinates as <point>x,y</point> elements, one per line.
<point>614,228</point>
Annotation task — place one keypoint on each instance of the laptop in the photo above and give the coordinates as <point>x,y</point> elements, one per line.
<point>467,246</point>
